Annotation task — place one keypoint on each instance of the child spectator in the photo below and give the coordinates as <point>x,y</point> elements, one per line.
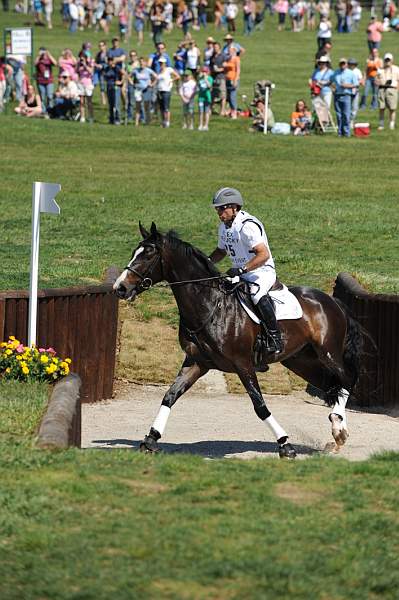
<point>301,119</point>
<point>180,57</point>
<point>187,94</point>
<point>205,83</point>
<point>85,70</point>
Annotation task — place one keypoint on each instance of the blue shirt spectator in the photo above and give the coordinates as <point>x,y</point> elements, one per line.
<point>116,53</point>
<point>154,61</point>
<point>343,77</point>
<point>143,76</point>
<point>321,77</point>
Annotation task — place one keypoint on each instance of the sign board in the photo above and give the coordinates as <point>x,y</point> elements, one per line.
<point>21,41</point>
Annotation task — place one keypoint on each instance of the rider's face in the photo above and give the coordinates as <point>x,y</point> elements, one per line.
<point>226,213</point>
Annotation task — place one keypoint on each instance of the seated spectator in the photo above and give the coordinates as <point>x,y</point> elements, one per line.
<point>258,113</point>
<point>66,98</point>
<point>301,119</point>
<point>31,105</point>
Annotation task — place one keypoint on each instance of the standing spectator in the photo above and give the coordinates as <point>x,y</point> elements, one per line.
<point>132,65</point>
<point>67,62</point>
<point>374,63</point>
<point>166,77</point>
<point>281,7</point>
<point>202,16</point>
<point>73,16</point>
<point>48,12</point>
<point>356,14</point>
<point>99,66</point>
<point>117,54</point>
<point>185,18</point>
<point>301,119</point>
<point>219,80</point>
<point>208,51</point>
<point>123,19</point>
<point>30,105</point>
<point>193,58</point>
<point>139,20</point>
<point>324,32</point>
<point>44,64</point>
<point>344,81</point>
<point>113,74</point>
<point>320,82</point>
<point>325,50</point>
<point>232,75</point>
<point>231,12</point>
<point>38,12</point>
<point>85,70</point>
<point>187,93</point>
<point>387,80</point>
<point>5,73</point>
<point>311,11</point>
<point>168,8</point>
<point>158,23</point>
<point>249,10</point>
<point>374,33</point>
<point>323,8</point>
<point>144,80</point>
<point>205,83</point>
<point>240,50</point>
<point>180,58</point>
<point>17,62</point>
<point>340,11</point>
<point>218,14</point>
<point>154,59</point>
<point>352,64</point>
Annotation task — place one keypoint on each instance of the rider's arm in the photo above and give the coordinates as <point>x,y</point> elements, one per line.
<point>262,254</point>
<point>217,255</point>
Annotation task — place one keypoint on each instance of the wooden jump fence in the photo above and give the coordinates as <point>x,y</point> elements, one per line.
<point>378,385</point>
<point>79,322</point>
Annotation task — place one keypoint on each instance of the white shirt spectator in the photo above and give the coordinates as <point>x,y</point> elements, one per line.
<point>165,81</point>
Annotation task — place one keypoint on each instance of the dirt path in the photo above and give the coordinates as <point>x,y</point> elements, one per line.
<point>209,422</point>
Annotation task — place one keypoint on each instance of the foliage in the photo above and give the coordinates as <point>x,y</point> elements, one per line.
<point>31,364</point>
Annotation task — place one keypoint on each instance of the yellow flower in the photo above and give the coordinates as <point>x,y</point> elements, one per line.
<point>8,352</point>
<point>68,360</point>
<point>65,367</point>
<point>44,359</point>
<point>23,364</point>
<point>25,370</point>
<point>3,344</point>
<point>12,337</point>
<point>50,369</point>
<point>8,370</point>
<point>56,361</point>
<point>19,357</point>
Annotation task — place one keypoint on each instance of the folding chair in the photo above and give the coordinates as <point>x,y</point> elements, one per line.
<point>323,121</point>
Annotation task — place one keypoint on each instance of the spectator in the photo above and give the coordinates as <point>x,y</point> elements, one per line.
<point>374,63</point>
<point>185,18</point>
<point>132,65</point>
<point>344,81</point>
<point>99,66</point>
<point>232,75</point>
<point>154,59</point>
<point>193,58</point>
<point>374,33</point>
<point>67,62</point>
<point>38,12</point>
<point>352,64</point>
<point>31,105</point>
<point>324,51</point>
<point>5,73</point>
<point>144,80</point>
<point>219,80</point>
<point>113,75</point>
<point>240,50</point>
<point>48,12</point>
<point>17,63</point>
<point>356,14</point>
<point>117,54</point>
<point>166,77</point>
<point>387,80</point>
<point>44,64</point>
<point>66,97</point>
<point>324,32</point>
<point>301,119</point>
<point>187,93</point>
<point>205,83</point>
<point>281,7</point>
<point>168,8</point>
<point>320,82</point>
<point>139,20</point>
<point>348,16</point>
<point>311,10</point>
<point>180,58</point>
<point>202,16</point>
<point>123,18</point>
<point>231,12</point>
<point>73,16</point>
<point>218,14</point>
<point>323,8</point>
<point>340,11</point>
<point>249,10</point>
<point>208,52</point>
<point>85,71</point>
<point>158,22</point>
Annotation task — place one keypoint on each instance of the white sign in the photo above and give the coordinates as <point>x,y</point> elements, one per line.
<point>21,41</point>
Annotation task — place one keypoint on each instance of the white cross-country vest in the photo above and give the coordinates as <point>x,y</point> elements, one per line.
<point>239,240</point>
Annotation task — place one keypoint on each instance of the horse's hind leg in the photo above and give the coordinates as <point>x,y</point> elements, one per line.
<point>250,382</point>
<point>187,376</point>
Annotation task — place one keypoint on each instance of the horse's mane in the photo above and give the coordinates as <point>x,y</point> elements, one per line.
<point>186,250</point>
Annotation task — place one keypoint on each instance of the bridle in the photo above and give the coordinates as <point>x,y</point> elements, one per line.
<point>146,281</point>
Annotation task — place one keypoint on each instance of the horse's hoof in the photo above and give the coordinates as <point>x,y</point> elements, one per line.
<point>149,445</point>
<point>287,451</point>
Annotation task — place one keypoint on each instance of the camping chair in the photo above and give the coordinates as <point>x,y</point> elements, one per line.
<point>323,121</point>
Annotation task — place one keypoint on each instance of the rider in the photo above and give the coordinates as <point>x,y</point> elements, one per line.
<point>243,238</point>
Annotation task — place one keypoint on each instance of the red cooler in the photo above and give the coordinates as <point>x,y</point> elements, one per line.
<point>361,129</point>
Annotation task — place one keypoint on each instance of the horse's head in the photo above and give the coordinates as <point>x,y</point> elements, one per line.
<point>144,268</point>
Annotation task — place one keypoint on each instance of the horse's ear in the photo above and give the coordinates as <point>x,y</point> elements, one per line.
<point>154,231</point>
<point>143,231</point>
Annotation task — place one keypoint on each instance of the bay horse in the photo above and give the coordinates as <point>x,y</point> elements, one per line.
<point>323,347</point>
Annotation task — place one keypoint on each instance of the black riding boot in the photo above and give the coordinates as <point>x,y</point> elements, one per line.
<point>268,316</point>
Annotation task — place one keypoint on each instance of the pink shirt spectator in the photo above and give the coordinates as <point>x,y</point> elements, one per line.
<point>374,31</point>
<point>68,65</point>
<point>281,6</point>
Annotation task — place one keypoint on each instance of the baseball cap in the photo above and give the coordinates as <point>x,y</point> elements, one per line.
<point>352,61</point>
<point>388,56</point>
<point>342,60</point>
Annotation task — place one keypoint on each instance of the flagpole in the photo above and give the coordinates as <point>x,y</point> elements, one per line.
<point>34,264</point>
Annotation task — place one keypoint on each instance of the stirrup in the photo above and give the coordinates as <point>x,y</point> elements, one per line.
<point>277,343</point>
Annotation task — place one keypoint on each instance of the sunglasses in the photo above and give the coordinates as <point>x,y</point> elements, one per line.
<point>222,208</point>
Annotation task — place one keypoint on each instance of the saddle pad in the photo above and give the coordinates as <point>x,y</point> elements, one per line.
<point>286,304</point>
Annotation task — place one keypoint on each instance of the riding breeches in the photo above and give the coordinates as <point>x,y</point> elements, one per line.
<point>262,280</point>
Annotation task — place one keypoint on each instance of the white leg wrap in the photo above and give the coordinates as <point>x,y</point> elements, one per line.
<point>161,419</point>
<point>339,406</point>
<point>275,427</point>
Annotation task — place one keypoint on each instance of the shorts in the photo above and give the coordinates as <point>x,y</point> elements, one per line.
<point>138,25</point>
<point>85,90</point>
<point>204,105</point>
<point>388,98</point>
<point>164,100</point>
<point>219,89</point>
<point>188,107</point>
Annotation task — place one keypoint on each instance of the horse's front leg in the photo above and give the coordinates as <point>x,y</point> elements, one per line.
<point>250,382</point>
<point>187,376</point>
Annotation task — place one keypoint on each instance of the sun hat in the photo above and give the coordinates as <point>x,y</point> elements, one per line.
<point>228,37</point>
<point>342,60</point>
<point>388,56</point>
<point>210,40</point>
<point>323,58</point>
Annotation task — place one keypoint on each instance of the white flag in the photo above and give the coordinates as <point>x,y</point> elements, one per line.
<point>48,191</point>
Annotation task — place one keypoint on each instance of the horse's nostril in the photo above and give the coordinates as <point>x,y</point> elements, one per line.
<point>121,291</point>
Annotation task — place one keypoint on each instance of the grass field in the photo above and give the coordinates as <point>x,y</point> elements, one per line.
<point>90,525</point>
